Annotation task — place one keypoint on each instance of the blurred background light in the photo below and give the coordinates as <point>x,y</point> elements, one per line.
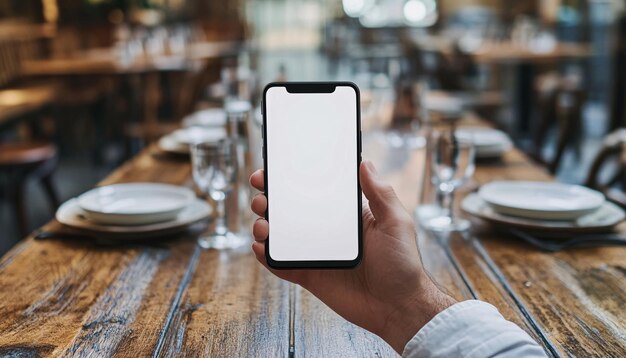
<point>420,12</point>
<point>355,8</point>
<point>414,10</point>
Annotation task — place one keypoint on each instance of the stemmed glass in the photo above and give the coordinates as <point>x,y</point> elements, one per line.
<point>452,165</point>
<point>238,82</point>
<point>215,170</point>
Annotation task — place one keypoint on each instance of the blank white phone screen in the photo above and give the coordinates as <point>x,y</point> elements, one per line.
<point>312,175</point>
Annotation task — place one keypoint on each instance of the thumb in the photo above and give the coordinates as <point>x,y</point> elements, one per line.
<point>383,201</point>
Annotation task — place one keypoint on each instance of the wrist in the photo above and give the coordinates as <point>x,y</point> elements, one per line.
<point>414,313</point>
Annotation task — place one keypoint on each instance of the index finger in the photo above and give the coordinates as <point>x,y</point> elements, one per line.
<point>257,180</point>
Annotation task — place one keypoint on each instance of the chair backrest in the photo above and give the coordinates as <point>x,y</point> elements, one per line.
<point>560,105</point>
<point>447,72</point>
<point>13,52</point>
<point>611,159</point>
<point>9,62</point>
<point>194,86</point>
<point>613,152</point>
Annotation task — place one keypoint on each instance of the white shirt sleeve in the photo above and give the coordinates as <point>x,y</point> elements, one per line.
<point>471,329</point>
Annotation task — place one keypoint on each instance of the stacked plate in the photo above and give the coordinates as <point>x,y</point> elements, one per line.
<point>488,142</point>
<point>543,206</point>
<point>178,141</point>
<point>237,106</point>
<point>449,106</point>
<point>134,209</point>
<point>211,117</point>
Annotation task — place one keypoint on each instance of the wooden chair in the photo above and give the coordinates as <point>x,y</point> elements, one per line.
<point>188,89</point>
<point>20,162</point>
<point>612,158</point>
<point>560,105</point>
<point>66,96</point>
<point>447,75</point>
<point>72,99</point>
<point>25,159</point>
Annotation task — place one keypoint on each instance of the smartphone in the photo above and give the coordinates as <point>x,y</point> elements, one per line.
<point>312,152</point>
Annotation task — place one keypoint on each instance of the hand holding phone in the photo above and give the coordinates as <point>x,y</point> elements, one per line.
<point>389,294</point>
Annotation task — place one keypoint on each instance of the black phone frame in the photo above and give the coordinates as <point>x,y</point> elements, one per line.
<point>315,87</point>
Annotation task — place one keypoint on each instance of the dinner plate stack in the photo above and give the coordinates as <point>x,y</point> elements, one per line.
<point>543,206</point>
<point>448,106</point>
<point>211,117</point>
<point>237,106</point>
<point>178,142</point>
<point>488,142</point>
<point>134,210</point>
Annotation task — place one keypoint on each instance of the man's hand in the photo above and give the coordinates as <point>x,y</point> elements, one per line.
<point>389,294</point>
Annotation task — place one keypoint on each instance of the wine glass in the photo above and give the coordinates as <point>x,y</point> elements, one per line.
<point>452,165</point>
<point>237,82</point>
<point>215,172</point>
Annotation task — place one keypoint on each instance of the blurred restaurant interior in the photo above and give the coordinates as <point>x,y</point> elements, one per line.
<point>86,84</point>
<point>96,92</point>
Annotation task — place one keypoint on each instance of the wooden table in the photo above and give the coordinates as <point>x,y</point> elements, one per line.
<point>16,103</point>
<point>505,51</point>
<point>523,60</point>
<point>105,61</point>
<point>64,297</point>
<point>142,73</point>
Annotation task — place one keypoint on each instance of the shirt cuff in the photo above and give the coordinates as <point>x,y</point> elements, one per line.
<point>470,328</point>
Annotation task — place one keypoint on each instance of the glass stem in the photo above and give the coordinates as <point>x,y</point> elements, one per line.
<point>451,205</point>
<point>220,223</point>
<point>448,203</point>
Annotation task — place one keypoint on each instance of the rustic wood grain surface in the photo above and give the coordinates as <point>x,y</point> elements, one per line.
<point>170,298</point>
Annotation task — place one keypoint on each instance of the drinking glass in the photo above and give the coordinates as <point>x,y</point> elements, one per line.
<point>452,165</point>
<point>215,169</point>
<point>237,82</point>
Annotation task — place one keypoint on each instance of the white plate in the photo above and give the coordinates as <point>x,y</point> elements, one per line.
<point>192,135</point>
<point>71,214</point>
<point>135,203</point>
<point>482,137</point>
<point>169,144</point>
<point>492,152</point>
<point>444,104</point>
<point>488,142</point>
<point>211,117</point>
<point>602,219</point>
<point>541,200</point>
<point>237,106</point>
<point>178,142</point>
